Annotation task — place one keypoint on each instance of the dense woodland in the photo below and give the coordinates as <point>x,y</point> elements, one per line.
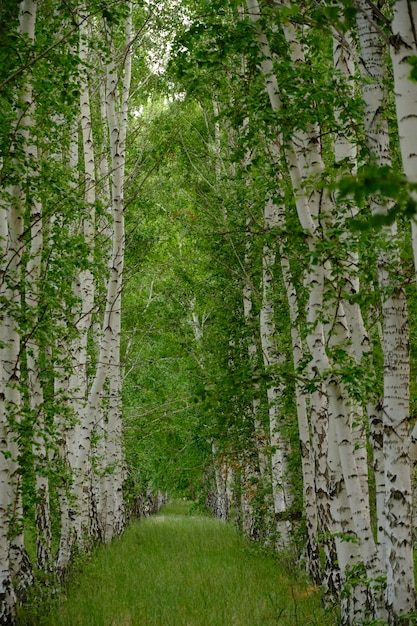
<point>208,282</point>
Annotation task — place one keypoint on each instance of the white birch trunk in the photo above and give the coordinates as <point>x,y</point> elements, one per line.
<point>261,440</point>
<point>314,279</point>
<point>18,561</point>
<point>353,599</point>
<point>76,506</point>
<point>11,349</point>
<point>221,474</point>
<point>40,446</point>
<point>378,142</point>
<point>7,593</point>
<point>63,382</point>
<point>113,513</point>
<point>340,418</point>
<point>84,523</point>
<point>307,456</point>
<point>348,507</point>
<point>345,151</point>
<point>319,420</point>
<point>398,490</point>
<point>252,476</point>
<point>280,446</point>
<point>305,160</point>
<point>394,510</point>
<point>101,477</point>
<point>108,362</point>
<point>249,483</point>
<point>115,453</point>
<point>403,47</point>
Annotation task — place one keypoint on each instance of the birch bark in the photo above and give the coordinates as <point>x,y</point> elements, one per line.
<point>65,366</point>
<point>253,473</point>
<point>307,456</point>
<point>345,152</point>
<point>7,593</point>
<point>84,289</point>
<point>40,438</point>
<point>221,472</point>
<point>304,159</point>
<point>108,362</point>
<point>261,440</point>
<point>17,559</point>
<point>280,446</point>
<point>15,568</point>
<point>403,47</point>
<point>21,567</point>
<point>392,471</point>
<point>76,496</point>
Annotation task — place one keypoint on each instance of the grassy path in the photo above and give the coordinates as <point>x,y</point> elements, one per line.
<point>178,569</point>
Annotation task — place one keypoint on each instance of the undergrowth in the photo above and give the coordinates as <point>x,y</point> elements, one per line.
<point>181,568</point>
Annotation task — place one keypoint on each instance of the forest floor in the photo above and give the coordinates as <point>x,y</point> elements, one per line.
<point>180,568</point>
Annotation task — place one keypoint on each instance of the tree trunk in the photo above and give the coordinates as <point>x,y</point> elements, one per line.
<point>307,457</point>
<point>394,493</point>
<point>16,562</point>
<point>305,165</point>
<point>108,362</point>
<point>280,446</point>
<point>403,48</point>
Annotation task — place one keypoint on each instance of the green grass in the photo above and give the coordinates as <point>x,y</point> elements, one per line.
<point>181,569</point>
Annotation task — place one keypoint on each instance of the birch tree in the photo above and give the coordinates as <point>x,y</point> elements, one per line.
<point>304,158</point>
<point>15,563</point>
<point>403,48</point>
<point>400,598</point>
<point>263,249</point>
<point>337,343</point>
<point>281,489</point>
<point>109,353</point>
<point>45,343</point>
